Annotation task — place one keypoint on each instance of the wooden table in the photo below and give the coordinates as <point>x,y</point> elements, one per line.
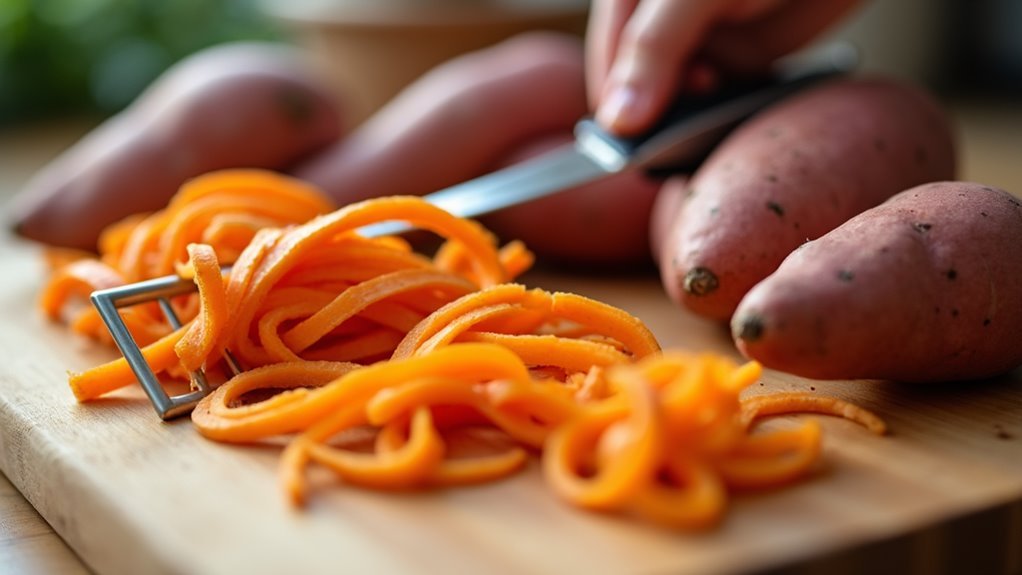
<point>990,137</point>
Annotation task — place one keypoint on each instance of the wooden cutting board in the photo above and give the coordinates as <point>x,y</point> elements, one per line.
<point>131,494</point>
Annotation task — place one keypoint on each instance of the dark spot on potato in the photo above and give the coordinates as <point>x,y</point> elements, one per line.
<point>773,133</point>
<point>796,225</point>
<point>986,322</point>
<point>690,191</point>
<point>984,214</point>
<point>988,188</point>
<point>921,155</point>
<point>885,250</point>
<point>922,227</point>
<point>936,309</point>
<point>700,281</point>
<point>845,275</point>
<point>748,328</point>
<point>761,384</point>
<point>775,208</point>
<point>812,388</point>
<point>880,145</point>
<point>772,178</point>
<point>951,274</point>
<point>295,104</point>
<point>954,312</point>
<point>714,210</point>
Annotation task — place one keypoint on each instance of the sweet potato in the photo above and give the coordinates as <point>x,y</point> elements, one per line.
<point>242,105</point>
<point>483,111</point>
<point>792,173</point>
<point>471,115</point>
<point>458,120</point>
<point>665,209</point>
<point>925,287</point>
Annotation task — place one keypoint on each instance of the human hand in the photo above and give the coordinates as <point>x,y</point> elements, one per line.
<point>640,53</point>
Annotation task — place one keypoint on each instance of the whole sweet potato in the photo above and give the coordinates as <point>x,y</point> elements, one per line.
<point>240,105</point>
<point>792,173</point>
<point>483,111</point>
<point>925,287</point>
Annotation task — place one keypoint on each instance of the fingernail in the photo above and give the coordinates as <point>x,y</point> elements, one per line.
<point>619,109</point>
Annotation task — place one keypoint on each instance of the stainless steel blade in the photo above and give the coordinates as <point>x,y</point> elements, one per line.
<point>557,170</point>
<point>560,169</point>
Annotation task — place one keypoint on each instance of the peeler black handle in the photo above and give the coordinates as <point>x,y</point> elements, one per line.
<point>693,125</point>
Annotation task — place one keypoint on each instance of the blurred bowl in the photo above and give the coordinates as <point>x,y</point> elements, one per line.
<point>368,50</point>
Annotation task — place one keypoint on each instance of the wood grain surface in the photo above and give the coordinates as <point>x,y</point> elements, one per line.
<point>27,544</point>
<point>131,494</point>
<point>942,494</point>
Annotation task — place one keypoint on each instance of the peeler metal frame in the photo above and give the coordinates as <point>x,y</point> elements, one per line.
<point>108,301</point>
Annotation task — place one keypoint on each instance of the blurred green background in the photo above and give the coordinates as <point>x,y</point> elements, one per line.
<point>94,56</point>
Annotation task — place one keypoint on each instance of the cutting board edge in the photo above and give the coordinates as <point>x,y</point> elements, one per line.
<point>113,546</point>
<point>107,544</point>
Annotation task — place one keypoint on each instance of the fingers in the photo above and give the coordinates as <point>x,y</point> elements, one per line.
<point>752,46</point>
<point>744,10</point>
<point>655,45</point>
<point>606,20</point>
<point>641,53</point>
<point>457,121</point>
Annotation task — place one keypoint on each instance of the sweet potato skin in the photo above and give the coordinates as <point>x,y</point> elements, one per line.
<point>238,105</point>
<point>925,287</point>
<point>484,111</point>
<point>458,121</point>
<point>792,173</point>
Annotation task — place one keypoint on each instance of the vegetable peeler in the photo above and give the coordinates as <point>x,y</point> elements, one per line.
<point>678,141</point>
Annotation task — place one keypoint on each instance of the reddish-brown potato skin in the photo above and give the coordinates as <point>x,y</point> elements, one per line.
<point>458,121</point>
<point>241,105</point>
<point>925,287</point>
<point>793,173</point>
<point>487,110</point>
<point>665,209</point>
